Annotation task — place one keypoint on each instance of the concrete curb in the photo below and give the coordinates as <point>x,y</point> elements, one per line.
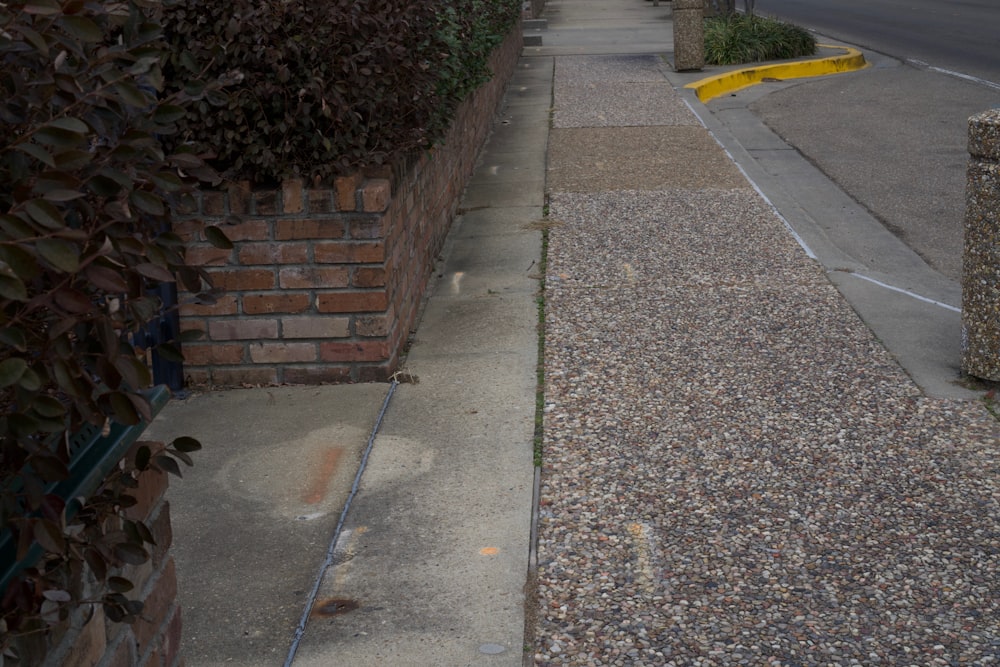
<point>850,60</point>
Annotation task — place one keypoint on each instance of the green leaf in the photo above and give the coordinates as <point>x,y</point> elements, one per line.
<point>20,261</point>
<point>134,372</point>
<point>42,7</point>
<point>35,39</point>
<point>142,456</point>
<point>166,114</point>
<point>70,124</point>
<point>73,159</point>
<point>141,406</point>
<point>11,286</point>
<point>62,194</point>
<point>49,536</point>
<point>98,565</point>
<point>13,337</point>
<point>186,444</point>
<point>132,96</point>
<point>170,352</point>
<point>45,213</point>
<point>123,409</point>
<point>48,467</point>
<point>61,255</point>
<point>147,202</point>
<point>57,596</point>
<point>30,381</point>
<point>167,464</point>
<point>105,278</point>
<point>120,584</point>
<point>37,152</point>
<point>57,136</point>
<point>73,301</point>
<point>155,272</point>
<point>192,335</point>
<point>218,238</point>
<point>11,370</point>
<point>15,227</point>
<point>48,406</point>
<point>82,28</point>
<point>167,181</point>
<point>133,554</point>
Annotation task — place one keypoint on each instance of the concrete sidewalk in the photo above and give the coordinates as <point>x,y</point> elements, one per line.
<point>735,470</point>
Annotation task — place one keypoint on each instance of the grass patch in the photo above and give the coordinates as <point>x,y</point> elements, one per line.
<point>739,38</point>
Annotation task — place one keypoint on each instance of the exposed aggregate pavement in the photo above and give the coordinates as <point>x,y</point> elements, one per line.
<point>735,471</point>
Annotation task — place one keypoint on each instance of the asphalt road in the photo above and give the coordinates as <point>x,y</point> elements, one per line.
<point>894,136</point>
<point>958,35</point>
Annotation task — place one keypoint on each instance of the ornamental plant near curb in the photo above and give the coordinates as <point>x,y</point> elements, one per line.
<point>86,193</point>
<point>332,86</point>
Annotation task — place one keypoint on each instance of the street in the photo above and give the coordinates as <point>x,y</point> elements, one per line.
<point>894,136</point>
<point>958,36</point>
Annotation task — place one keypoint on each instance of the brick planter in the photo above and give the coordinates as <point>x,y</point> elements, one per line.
<point>89,637</point>
<point>324,284</point>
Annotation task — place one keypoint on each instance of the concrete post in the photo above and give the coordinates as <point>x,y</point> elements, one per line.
<point>689,35</point>
<point>981,259</point>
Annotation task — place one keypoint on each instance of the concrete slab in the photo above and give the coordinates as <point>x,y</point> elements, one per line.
<point>254,517</point>
<point>637,158</point>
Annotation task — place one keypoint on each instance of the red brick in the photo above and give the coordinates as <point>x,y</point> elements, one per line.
<point>250,230</point>
<point>315,327</point>
<point>354,351</point>
<point>239,198</point>
<point>224,305</point>
<point>377,372</point>
<point>210,354</point>
<point>170,641</point>
<point>206,255</point>
<point>158,604</point>
<point>163,533</point>
<point>291,196</point>
<point>152,485</point>
<point>372,326</point>
<point>346,252</point>
<point>213,204</point>
<point>282,353</point>
<point>321,201</point>
<point>89,645</point>
<point>273,253</point>
<point>123,650</point>
<point>376,195</point>
<point>346,188</point>
<point>369,276</point>
<point>194,377</point>
<point>187,229</point>
<point>235,377</point>
<point>317,374</point>
<point>351,302</point>
<point>314,277</point>
<point>369,226</point>
<point>265,202</point>
<point>245,329</point>
<point>309,228</point>
<point>234,280</point>
<point>280,302</point>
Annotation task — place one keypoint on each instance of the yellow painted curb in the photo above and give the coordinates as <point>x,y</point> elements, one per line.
<point>713,86</point>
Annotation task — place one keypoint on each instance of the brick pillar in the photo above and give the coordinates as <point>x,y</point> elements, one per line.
<point>981,259</point>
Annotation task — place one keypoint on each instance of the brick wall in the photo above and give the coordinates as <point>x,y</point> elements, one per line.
<point>90,639</point>
<point>324,284</point>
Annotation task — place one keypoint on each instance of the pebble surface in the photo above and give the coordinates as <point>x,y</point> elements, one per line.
<point>735,471</point>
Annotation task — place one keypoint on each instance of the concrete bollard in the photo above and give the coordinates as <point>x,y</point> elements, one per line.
<point>689,34</point>
<point>981,259</point>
